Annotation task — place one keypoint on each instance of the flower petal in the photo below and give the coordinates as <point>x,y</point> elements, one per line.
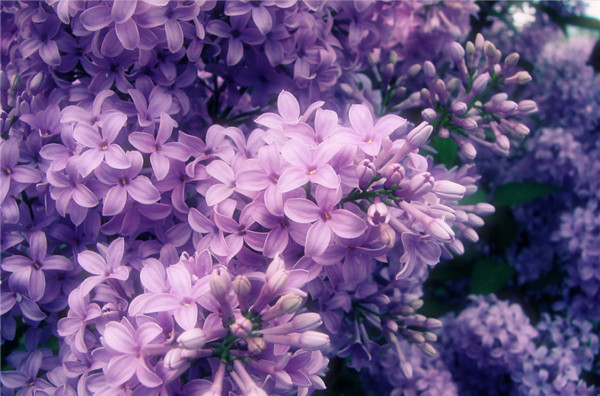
<point>142,190</point>
<point>317,239</point>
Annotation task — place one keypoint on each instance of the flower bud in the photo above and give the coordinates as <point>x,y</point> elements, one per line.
<point>468,150</point>
<point>241,327</point>
<point>378,213</point>
<point>15,83</point>
<point>256,345</point>
<point>306,321</point>
<point>387,234</point>
<point>459,108</point>
<point>426,97</point>
<point>218,286</point>
<point>446,189</point>
<point>313,340</point>
<point>484,209</point>
<point>457,52</point>
<point>481,83</point>
<point>419,135</point>
<point>241,287</point>
<point>413,70</point>
<point>527,107</point>
<point>475,221</point>
<point>174,359</point>
<point>429,70</point>
<point>489,49</point>
<point>289,303</point>
<point>443,133</point>
<point>468,124</point>
<point>365,171</point>
<point>393,173</point>
<point>511,59</point>
<point>456,246</point>
<point>521,77</point>
<point>192,339</point>
<point>429,114</point>
<point>428,349</point>
<point>36,82</point>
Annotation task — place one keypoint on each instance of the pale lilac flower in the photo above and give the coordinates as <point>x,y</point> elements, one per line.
<point>126,182</point>
<point>150,112</point>
<point>100,145</point>
<point>238,34</point>
<point>10,171</point>
<point>30,270</point>
<point>325,219</point>
<point>127,346</point>
<point>159,150</point>
<point>81,313</point>
<point>107,267</point>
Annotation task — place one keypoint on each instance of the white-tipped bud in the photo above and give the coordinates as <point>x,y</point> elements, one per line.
<point>489,49</point>
<point>426,97</point>
<point>390,325</point>
<point>378,213</point>
<point>429,70</point>
<point>417,337</point>
<point>192,339</point>
<point>36,82</point>
<point>521,130</point>
<point>433,323</point>
<point>440,230</point>
<point>468,124</point>
<point>431,337</point>
<point>484,209</point>
<point>218,286</point>
<point>453,84</point>
<point>387,234</point>
<point>503,143</point>
<point>443,133</point>
<point>508,108</point>
<point>174,359</point>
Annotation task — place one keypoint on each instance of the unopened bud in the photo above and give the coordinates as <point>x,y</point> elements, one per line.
<point>413,70</point>
<point>457,52</point>
<point>468,150</point>
<point>489,49</point>
<point>218,286</point>
<point>521,77</point>
<point>511,59</point>
<point>470,235</point>
<point>428,349</point>
<point>527,107</point>
<point>459,108</point>
<point>387,234</point>
<point>313,340</point>
<point>365,171</point>
<point>481,83</point>
<point>378,213</point>
<point>419,135</point>
<point>429,336</point>
<point>446,189</point>
<point>306,321</point>
<point>484,209</point>
<point>289,303</point>
<point>36,82</point>
<point>393,173</point>
<point>15,83</point>
<point>429,70</point>
<point>242,287</point>
<point>429,114</point>
<point>192,339</point>
<point>256,345</point>
<point>241,327</point>
<point>475,221</point>
<point>456,246</point>
<point>468,124</point>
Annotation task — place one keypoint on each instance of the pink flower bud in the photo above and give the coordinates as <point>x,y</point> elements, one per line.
<point>289,303</point>
<point>480,83</point>
<point>484,209</point>
<point>527,107</point>
<point>429,114</point>
<point>241,287</point>
<point>459,108</point>
<point>393,173</point>
<point>419,135</point>
<point>521,77</point>
<point>256,345</point>
<point>511,59</point>
<point>468,150</point>
<point>446,189</point>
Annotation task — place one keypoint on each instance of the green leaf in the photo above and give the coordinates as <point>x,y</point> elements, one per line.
<point>475,198</point>
<point>518,193</point>
<point>447,150</point>
<point>489,276</point>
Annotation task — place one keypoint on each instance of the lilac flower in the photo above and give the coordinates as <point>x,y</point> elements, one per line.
<point>107,267</point>
<point>151,112</point>
<point>126,182</point>
<point>42,41</point>
<point>159,150</point>
<point>170,16</point>
<point>30,270</point>
<point>238,34</point>
<point>81,313</point>
<point>127,347</point>
<point>308,165</point>
<point>100,145</point>
<point>25,378</point>
<point>325,219</point>
<point>10,171</point>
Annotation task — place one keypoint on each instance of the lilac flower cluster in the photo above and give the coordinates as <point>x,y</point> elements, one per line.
<point>219,197</point>
<point>490,336</point>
